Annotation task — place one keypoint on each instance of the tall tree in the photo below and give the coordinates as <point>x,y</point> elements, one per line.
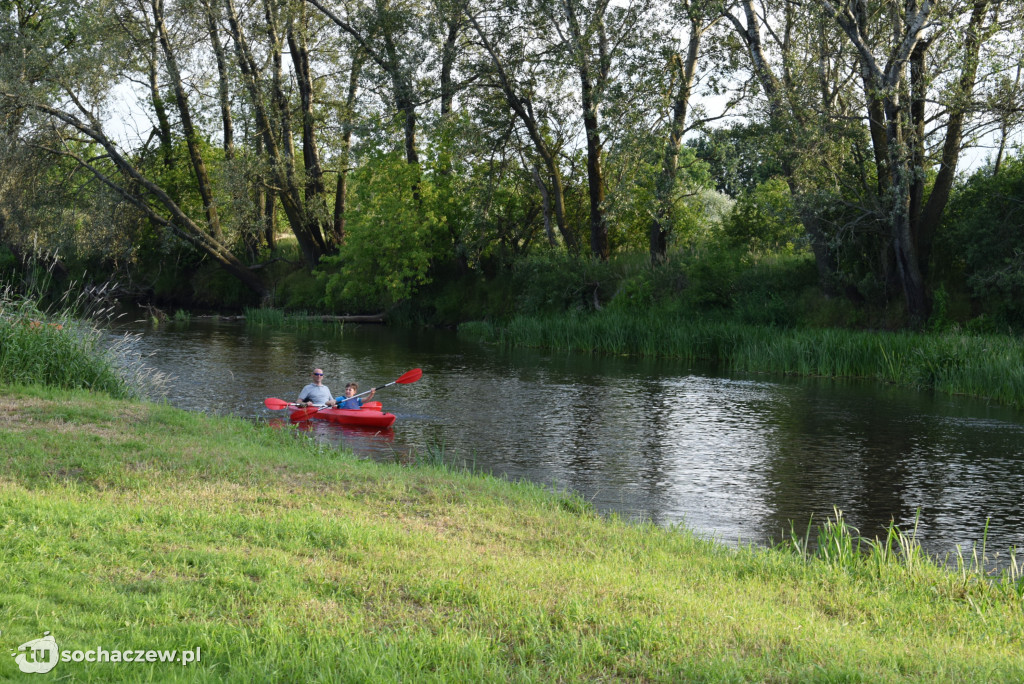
<point>896,80</point>
<point>516,78</point>
<point>682,66</point>
<point>805,77</point>
<point>347,116</point>
<point>71,83</point>
<point>587,44</point>
<point>595,38</point>
<point>388,34</point>
<point>273,124</point>
<point>192,139</point>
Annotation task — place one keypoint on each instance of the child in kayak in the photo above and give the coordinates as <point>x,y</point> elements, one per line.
<point>316,393</point>
<point>351,401</point>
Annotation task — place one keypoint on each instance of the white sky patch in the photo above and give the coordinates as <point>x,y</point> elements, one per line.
<point>127,122</point>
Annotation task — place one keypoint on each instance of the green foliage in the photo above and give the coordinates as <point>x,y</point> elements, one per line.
<point>632,180</point>
<point>392,237</point>
<point>301,290</point>
<point>647,287</point>
<point>458,299</point>
<point>711,279</point>
<point>770,290</point>
<point>767,290</point>
<point>741,157</point>
<point>9,267</point>
<point>214,287</point>
<point>552,282</point>
<point>765,220</point>
<point>982,244</point>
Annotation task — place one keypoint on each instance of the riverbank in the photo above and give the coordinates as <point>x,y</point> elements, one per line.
<point>950,362</point>
<point>138,526</point>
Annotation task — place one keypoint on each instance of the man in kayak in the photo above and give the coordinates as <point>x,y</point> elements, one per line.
<point>316,393</point>
<point>351,401</point>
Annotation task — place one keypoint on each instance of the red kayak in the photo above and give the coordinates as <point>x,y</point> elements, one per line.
<point>370,415</point>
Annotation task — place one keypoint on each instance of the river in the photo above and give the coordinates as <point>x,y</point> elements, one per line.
<point>740,458</point>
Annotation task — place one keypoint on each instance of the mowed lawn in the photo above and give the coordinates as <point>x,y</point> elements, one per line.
<point>136,526</point>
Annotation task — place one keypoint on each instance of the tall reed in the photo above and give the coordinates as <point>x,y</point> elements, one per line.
<point>61,351</point>
<point>989,366</point>
<point>267,317</point>
<point>841,545</point>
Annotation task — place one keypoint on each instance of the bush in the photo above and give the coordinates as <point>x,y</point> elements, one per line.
<point>555,282</point>
<point>302,291</point>
<point>765,220</point>
<point>54,351</point>
<point>982,244</point>
<point>214,287</point>
<point>9,267</point>
<point>391,239</point>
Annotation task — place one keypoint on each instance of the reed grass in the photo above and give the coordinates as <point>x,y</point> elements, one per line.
<point>60,351</point>
<point>986,366</point>
<point>899,554</point>
<point>271,318</point>
<point>283,560</point>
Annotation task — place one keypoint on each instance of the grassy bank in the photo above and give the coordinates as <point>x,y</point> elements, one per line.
<point>988,366</point>
<point>137,526</point>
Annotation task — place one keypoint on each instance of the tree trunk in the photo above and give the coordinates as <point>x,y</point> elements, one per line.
<point>310,151</point>
<point>931,215</point>
<point>905,249</point>
<point>545,197</point>
<point>595,180</point>
<point>163,129</point>
<point>522,108</point>
<point>281,157</point>
<point>592,82</point>
<point>447,63</point>
<point>341,194</point>
<point>664,189</point>
<point>227,124</point>
<point>191,137</point>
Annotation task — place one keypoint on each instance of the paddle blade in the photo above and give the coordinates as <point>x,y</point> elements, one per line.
<point>276,404</point>
<point>410,376</point>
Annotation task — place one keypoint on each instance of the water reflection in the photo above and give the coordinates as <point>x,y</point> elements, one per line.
<point>734,457</point>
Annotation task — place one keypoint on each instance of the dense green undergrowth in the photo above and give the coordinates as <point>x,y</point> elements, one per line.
<point>137,526</point>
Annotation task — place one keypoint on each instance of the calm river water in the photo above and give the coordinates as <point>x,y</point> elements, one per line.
<point>736,457</point>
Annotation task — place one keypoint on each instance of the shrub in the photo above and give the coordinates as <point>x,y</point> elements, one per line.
<point>765,220</point>
<point>392,236</point>
<point>301,291</point>
<point>983,241</point>
<point>56,351</point>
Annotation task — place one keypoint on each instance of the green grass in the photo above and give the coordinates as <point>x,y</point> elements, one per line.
<point>134,525</point>
<point>988,366</point>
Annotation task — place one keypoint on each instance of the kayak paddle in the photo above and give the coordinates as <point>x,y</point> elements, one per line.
<point>303,412</point>
<point>278,404</point>
<point>405,378</point>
